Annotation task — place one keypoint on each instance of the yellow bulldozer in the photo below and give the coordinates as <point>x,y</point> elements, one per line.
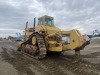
<point>46,37</point>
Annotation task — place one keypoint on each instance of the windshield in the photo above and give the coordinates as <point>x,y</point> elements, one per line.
<point>49,21</point>
<point>45,21</point>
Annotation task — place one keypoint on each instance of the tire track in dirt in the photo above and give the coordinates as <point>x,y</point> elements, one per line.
<point>24,63</point>
<point>52,65</point>
<point>20,65</point>
<point>81,68</point>
<point>53,68</point>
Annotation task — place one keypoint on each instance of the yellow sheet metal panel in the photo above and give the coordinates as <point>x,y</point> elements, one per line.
<point>75,39</point>
<point>33,40</point>
<point>27,33</point>
<point>55,49</point>
<point>19,44</point>
<point>48,29</point>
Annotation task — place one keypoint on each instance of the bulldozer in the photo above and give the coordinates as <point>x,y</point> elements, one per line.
<point>46,37</point>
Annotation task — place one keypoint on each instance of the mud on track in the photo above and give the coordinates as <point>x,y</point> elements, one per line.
<point>51,65</point>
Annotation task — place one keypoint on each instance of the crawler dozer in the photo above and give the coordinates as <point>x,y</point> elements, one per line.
<point>45,37</point>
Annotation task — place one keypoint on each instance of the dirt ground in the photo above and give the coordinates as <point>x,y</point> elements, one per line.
<point>13,62</point>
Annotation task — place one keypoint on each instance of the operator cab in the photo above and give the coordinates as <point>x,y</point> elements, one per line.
<point>46,20</point>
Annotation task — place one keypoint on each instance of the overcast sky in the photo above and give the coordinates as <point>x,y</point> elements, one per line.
<point>68,14</point>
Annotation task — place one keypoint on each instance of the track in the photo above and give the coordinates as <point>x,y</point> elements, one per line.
<point>51,65</point>
<point>38,50</point>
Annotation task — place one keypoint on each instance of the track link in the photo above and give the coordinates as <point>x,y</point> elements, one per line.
<point>41,46</point>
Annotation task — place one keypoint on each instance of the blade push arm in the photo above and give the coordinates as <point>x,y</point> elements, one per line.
<point>76,39</point>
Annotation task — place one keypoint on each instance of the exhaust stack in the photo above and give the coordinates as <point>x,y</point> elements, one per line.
<point>27,24</point>
<point>34,23</point>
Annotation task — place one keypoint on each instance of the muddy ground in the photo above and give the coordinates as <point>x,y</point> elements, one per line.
<point>13,62</point>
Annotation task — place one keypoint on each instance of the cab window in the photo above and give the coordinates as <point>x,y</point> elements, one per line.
<point>46,21</point>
